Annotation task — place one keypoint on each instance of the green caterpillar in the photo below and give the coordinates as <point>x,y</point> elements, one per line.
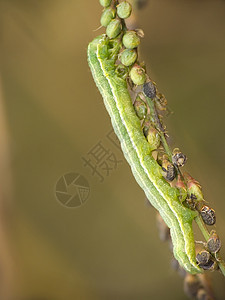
<point>102,55</point>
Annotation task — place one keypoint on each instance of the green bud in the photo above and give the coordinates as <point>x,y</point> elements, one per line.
<point>181,188</point>
<point>194,188</point>
<point>140,108</point>
<point>128,57</point>
<point>105,3</point>
<point>122,71</point>
<point>137,75</point>
<point>124,9</point>
<point>114,28</point>
<point>153,138</point>
<point>131,40</point>
<point>107,15</point>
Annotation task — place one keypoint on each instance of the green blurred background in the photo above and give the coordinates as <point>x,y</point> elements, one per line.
<point>109,247</point>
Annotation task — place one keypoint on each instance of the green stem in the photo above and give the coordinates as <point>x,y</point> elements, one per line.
<point>159,125</point>
<point>202,227</point>
<point>198,219</point>
<point>206,235</point>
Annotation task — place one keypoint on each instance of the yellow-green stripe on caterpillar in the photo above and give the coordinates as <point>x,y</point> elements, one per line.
<point>137,151</point>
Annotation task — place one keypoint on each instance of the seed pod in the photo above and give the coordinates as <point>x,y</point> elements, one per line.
<point>191,285</point>
<point>131,40</point>
<point>114,28</point>
<point>214,243</point>
<point>194,188</point>
<point>178,158</point>
<point>211,265</point>
<point>122,71</point>
<point>105,3</point>
<point>203,295</point>
<point>169,171</point>
<point>140,108</point>
<point>164,231</point>
<point>161,102</point>
<point>153,138</point>
<point>124,9</point>
<point>149,89</point>
<point>182,188</point>
<point>146,126</point>
<point>137,75</point>
<point>128,57</point>
<point>203,257</point>
<point>108,14</point>
<point>141,3</point>
<point>208,215</point>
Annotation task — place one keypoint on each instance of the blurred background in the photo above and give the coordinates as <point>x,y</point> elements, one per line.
<point>103,242</point>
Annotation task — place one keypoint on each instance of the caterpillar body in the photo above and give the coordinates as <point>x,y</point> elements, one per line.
<point>137,151</point>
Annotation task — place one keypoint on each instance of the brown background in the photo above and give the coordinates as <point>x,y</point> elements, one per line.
<point>108,248</point>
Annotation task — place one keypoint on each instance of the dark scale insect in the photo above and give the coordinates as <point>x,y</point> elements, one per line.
<point>168,169</point>
<point>149,89</point>
<point>178,158</point>
<point>214,243</point>
<point>203,257</point>
<point>208,215</point>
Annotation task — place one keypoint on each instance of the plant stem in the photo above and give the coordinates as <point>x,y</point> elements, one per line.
<point>198,219</point>
<point>206,235</point>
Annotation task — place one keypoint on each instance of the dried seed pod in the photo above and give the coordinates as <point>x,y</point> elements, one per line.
<point>114,28</point>
<point>124,10</point>
<point>141,3</point>
<point>208,215</point>
<point>140,32</point>
<point>108,14</point>
<point>105,3</point>
<point>161,102</point>
<point>203,295</point>
<point>140,108</point>
<point>128,57</point>
<point>213,243</point>
<point>182,188</point>
<point>178,158</point>
<point>164,231</point>
<point>153,138</point>
<point>146,125</point>
<point>191,285</point>
<point>169,170</point>
<point>137,75</point>
<point>211,265</point>
<point>131,40</point>
<point>203,257</point>
<point>194,188</point>
<point>149,89</point>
